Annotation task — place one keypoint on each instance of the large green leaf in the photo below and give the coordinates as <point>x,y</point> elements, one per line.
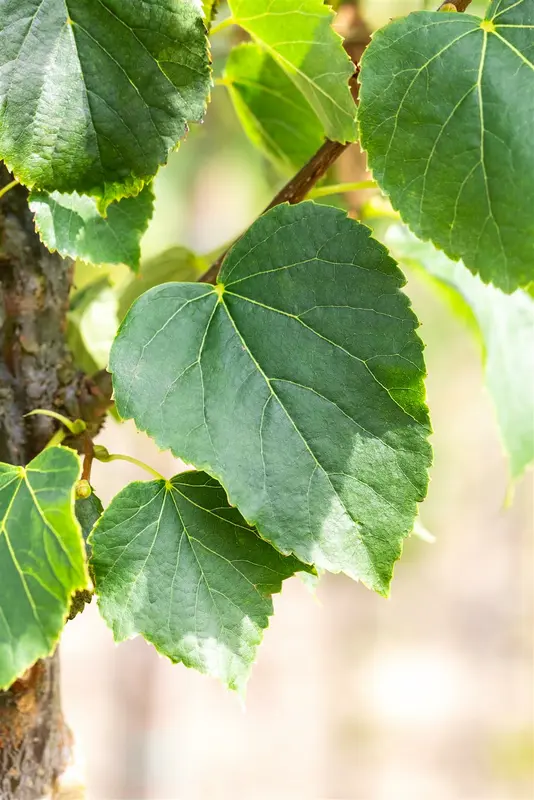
<point>73,225</point>
<point>175,563</point>
<point>42,559</point>
<point>301,39</point>
<point>94,95</point>
<point>273,112</point>
<point>446,106</point>
<point>506,324</point>
<point>297,381</point>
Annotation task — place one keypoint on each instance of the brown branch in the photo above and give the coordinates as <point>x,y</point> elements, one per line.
<point>294,191</point>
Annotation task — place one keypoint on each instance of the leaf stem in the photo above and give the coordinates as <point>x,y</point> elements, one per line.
<point>220,26</point>
<point>76,428</point>
<point>341,188</point>
<point>101,454</point>
<point>5,189</point>
<point>461,5</point>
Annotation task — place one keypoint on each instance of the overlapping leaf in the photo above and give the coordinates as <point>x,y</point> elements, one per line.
<point>272,110</point>
<point>506,324</point>
<point>73,225</point>
<point>175,563</point>
<point>446,106</point>
<point>174,264</point>
<point>41,557</point>
<point>94,95</point>
<point>301,39</point>
<point>297,381</point>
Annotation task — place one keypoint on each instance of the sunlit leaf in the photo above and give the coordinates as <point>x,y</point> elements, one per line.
<point>41,557</point>
<point>506,324</point>
<point>95,95</point>
<point>274,113</point>
<point>73,225</point>
<point>446,104</point>
<point>175,563</point>
<point>301,39</point>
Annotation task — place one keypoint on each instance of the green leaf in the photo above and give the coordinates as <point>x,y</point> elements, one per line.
<point>41,557</point>
<point>506,324</point>
<point>95,95</point>
<point>274,114</point>
<point>175,264</point>
<point>88,511</point>
<point>175,563</point>
<point>73,225</point>
<point>297,381</point>
<point>302,41</point>
<point>445,103</point>
<point>210,9</point>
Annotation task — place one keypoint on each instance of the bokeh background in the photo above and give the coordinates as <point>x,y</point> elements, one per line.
<point>426,696</point>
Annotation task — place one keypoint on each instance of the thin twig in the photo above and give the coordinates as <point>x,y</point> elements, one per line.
<point>89,455</point>
<point>295,190</point>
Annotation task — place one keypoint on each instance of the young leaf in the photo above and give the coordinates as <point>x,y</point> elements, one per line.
<point>297,381</point>
<point>88,511</point>
<point>506,324</point>
<point>301,39</point>
<point>175,264</point>
<point>175,563</point>
<point>41,557</point>
<point>445,133</point>
<point>94,95</point>
<point>73,225</point>
<point>273,112</point>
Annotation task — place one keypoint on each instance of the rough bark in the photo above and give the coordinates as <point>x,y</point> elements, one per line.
<point>36,371</point>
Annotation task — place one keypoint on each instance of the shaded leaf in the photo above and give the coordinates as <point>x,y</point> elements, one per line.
<point>41,557</point>
<point>302,41</point>
<point>175,563</point>
<point>175,264</point>
<point>274,114</point>
<point>73,225</point>
<point>445,102</point>
<point>95,95</point>
<point>506,324</point>
<point>297,381</point>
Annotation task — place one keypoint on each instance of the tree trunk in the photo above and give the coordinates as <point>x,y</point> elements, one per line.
<point>36,371</point>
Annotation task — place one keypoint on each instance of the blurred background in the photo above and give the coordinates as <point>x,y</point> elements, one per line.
<point>426,696</point>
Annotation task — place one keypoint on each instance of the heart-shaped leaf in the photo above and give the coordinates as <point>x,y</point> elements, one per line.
<point>297,381</point>
<point>175,563</point>
<point>42,560</point>
<point>446,106</point>
<point>94,95</point>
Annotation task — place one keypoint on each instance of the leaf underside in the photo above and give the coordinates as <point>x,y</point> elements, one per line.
<point>95,95</point>
<point>41,557</point>
<point>298,382</point>
<point>302,41</point>
<point>506,324</point>
<point>274,113</point>
<point>73,225</point>
<point>448,140</point>
<point>175,563</point>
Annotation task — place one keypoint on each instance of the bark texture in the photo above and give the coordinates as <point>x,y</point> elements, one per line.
<point>36,371</point>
